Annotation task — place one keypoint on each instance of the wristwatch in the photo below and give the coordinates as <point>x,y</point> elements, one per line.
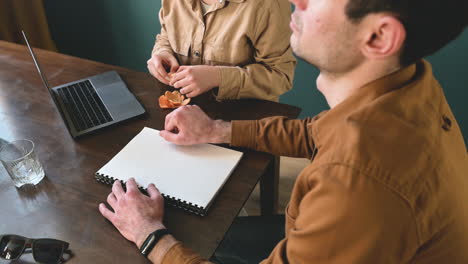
<point>152,240</point>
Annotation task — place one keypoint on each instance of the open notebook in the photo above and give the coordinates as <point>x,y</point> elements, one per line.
<point>189,177</point>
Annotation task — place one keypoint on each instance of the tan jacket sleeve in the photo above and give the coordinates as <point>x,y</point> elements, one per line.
<point>276,135</point>
<point>346,217</point>
<point>162,42</point>
<point>273,71</point>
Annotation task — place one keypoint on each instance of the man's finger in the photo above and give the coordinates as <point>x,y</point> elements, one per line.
<point>171,124</point>
<point>111,199</point>
<point>171,137</point>
<point>153,191</point>
<point>117,190</point>
<point>108,214</point>
<point>167,119</point>
<point>132,186</point>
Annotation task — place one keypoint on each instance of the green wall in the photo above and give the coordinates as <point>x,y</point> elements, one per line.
<point>121,32</point>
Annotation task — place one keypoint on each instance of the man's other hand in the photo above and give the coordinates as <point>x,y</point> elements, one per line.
<point>134,214</point>
<point>195,80</point>
<point>189,125</point>
<point>158,64</point>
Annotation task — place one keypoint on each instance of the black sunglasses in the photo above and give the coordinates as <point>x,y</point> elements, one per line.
<point>45,250</point>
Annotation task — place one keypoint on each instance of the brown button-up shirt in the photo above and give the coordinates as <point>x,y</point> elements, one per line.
<point>387,182</point>
<point>248,39</point>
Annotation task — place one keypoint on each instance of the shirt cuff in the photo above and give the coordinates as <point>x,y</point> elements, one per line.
<point>243,133</point>
<point>179,254</point>
<point>230,82</point>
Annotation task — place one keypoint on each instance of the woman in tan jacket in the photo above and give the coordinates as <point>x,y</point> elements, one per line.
<point>239,47</point>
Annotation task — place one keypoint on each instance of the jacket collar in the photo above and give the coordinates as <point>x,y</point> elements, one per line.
<point>326,122</point>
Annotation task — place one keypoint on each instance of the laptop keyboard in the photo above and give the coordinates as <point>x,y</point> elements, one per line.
<point>84,105</point>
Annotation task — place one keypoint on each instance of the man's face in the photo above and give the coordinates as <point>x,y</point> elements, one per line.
<point>323,35</point>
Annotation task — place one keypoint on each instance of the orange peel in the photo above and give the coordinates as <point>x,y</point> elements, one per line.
<point>173,100</point>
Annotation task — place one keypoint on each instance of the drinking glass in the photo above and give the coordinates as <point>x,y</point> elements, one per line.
<point>21,162</point>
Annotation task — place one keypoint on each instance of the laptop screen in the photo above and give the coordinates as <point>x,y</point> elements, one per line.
<point>44,80</point>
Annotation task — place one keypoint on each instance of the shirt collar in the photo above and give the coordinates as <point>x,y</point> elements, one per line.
<point>221,1</point>
<point>326,122</point>
<point>217,5</point>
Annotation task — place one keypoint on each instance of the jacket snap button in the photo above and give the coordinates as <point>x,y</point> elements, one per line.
<point>197,53</point>
<point>447,123</point>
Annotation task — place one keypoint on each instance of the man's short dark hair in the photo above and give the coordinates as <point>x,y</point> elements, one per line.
<point>429,24</point>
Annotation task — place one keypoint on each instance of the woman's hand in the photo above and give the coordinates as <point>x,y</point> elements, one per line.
<point>195,80</point>
<point>158,64</point>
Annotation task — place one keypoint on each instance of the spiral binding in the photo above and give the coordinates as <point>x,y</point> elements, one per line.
<point>170,200</point>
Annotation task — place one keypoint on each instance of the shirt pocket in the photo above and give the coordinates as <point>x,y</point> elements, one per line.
<point>180,43</point>
<point>228,51</point>
<point>212,51</point>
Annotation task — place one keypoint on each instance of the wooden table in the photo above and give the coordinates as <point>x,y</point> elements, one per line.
<point>65,204</point>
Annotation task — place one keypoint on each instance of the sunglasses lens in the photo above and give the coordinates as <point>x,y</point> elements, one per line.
<point>11,247</point>
<point>48,251</point>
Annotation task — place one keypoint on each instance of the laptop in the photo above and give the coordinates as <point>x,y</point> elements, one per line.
<point>92,103</point>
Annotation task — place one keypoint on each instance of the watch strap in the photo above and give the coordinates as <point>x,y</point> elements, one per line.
<point>152,240</point>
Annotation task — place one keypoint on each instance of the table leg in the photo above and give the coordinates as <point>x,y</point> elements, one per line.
<point>269,188</point>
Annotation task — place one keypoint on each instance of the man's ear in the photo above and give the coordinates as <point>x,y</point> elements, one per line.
<point>385,37</point>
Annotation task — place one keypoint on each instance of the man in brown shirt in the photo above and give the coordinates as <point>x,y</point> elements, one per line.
<point>387,182</point>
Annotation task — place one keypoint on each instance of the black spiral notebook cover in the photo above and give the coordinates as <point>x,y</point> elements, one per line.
<point>189,177</point>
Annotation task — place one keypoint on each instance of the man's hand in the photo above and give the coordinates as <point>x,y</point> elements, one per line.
<point>195,80</point>
<point>158,64</point>
<point>189,125</point>
<point>135,214</point>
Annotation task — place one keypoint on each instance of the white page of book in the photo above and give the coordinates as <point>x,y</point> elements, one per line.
<point>189,173</point>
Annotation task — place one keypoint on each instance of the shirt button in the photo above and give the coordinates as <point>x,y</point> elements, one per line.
<point>197,53</point>
<point>447,123</point>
